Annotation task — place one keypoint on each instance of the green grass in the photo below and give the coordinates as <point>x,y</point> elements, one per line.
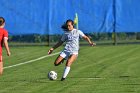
<point>100,69</point>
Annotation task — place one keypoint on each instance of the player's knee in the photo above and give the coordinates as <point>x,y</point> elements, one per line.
<point>56,64</point>
<point>68,64</point>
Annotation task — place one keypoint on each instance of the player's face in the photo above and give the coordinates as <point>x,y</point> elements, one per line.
<point>69,26</point>
<point>2,26</point>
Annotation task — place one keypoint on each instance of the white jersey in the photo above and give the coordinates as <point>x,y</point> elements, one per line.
<point>72,40</point>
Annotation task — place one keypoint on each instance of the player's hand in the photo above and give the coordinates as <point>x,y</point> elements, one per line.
<point>8,53</point>
<point>50,51</point>
<point>93,44</point>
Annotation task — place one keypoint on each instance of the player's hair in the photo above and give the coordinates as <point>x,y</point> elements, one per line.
<point>64,26</point>
<point>69,20</point>
<point>2,20</point>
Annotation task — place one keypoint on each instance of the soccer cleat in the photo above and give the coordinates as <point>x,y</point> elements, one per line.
<point>62,79</point>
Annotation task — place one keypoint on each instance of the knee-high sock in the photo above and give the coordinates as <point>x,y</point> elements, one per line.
<point>66,71</point>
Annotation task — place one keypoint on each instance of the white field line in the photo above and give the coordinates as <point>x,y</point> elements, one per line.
<point>30,61</point>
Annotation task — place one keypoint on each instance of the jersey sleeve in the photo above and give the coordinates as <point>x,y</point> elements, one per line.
<point>81,34</point>
<point>5,34</point>
<point>63,38</point>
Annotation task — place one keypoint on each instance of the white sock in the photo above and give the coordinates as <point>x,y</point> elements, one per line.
<point>66,71</point>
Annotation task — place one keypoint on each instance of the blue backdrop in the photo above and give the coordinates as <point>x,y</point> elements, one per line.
<point>47,16</point>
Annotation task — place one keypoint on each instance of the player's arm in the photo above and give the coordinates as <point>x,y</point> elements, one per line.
<point>88,40</point>
<point>55,46</point>
<point>6,46</point>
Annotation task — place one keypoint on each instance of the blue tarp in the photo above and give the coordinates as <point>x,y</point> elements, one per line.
<point>127,15</point>
<point>47,16</point>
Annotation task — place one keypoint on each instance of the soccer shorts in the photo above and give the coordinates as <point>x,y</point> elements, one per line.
<point>66,54</point>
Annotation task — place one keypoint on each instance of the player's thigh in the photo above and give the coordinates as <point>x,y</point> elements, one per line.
<point>71,59</point>
<point>59,59</point>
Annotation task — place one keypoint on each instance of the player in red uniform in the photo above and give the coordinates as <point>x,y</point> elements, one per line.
<point>3,40</point>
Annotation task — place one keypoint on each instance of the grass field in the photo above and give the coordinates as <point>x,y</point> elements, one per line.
<point>100,69</point>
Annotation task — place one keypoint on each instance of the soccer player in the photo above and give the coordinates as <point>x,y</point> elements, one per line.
<point>3,40</point>
<point>70,51</point>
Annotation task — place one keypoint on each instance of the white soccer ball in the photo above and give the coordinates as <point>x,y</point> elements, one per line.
<point>52,75</point>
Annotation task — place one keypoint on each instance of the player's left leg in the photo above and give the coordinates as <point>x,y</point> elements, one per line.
<point>70,60</point>
<point>59,60</point>
<point>1,68</point>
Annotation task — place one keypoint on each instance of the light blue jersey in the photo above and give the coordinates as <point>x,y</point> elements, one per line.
<point>72,40</point>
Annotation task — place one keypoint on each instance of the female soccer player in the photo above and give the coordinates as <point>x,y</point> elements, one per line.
<point>3,40</point>
<point>70,52</point>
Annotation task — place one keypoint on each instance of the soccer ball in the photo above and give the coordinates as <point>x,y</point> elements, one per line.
<point>52,75</point>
